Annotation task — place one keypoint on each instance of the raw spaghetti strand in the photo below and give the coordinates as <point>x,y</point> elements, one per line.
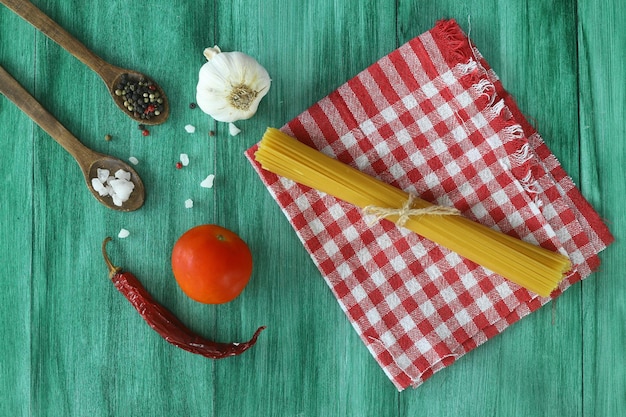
<point>535,268</point>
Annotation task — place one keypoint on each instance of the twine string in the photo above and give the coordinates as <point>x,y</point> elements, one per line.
<point>407,211</point>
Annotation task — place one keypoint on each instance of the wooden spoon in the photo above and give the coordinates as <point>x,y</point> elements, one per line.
<point>88,160</point>
<point>111,75</point>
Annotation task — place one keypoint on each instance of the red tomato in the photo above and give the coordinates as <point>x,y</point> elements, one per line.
<point>211,264</point>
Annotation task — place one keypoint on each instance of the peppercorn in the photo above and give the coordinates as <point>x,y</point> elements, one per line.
<point>149,109</point>
<point>192,105</point>
<point>211,133</point>
<point>108,137</point>
<point>179,165</point>
<point>137,94</point>
<point>145,132</point>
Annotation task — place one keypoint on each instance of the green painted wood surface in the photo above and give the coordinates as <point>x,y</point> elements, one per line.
<point>71,345</point>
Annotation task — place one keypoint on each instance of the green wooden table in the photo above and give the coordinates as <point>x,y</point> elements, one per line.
<point>72,346</point>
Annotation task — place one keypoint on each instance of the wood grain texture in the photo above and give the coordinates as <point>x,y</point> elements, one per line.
<point>16,248</point>
<point>602,128</point>
<point>73,346</point>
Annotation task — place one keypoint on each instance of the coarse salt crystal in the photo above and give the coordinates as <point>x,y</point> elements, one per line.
<point>184,159</point>
<point>99,187</point>
<point>189,203</point>
<point>233,130</point>
<point>116,200</point>
<point>103,174</point>
<point>123,233</point>
<point>133,160</point>
<point>118,187</point>
<point>208,181</point>
<point>122,188</point>
<point>190,128</point>
<point>123,175</point>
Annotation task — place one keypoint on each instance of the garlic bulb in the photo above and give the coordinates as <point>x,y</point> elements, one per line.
<point>231,85</point>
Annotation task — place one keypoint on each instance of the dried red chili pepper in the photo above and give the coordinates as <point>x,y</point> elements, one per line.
<point>164,322</point>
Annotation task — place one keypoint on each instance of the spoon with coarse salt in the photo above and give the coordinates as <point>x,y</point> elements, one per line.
<point>113,182</point>
<point>134,93</point>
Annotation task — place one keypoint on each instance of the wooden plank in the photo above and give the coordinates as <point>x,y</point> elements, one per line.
<point>528,366</point>
<point>16,225</point>
<point>92,353</point>
<point>603,127</point>
<point>70,320</point>
<point>309,361</point>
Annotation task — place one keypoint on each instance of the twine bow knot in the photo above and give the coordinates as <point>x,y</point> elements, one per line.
<point>407,211</point>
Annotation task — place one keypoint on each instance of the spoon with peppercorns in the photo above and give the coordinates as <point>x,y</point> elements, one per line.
<point>124,191</point>
<point>136,94</point>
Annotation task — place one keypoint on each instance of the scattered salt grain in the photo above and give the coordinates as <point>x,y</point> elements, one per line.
<point>133,160</point>
<point>123,233</point>
<point>190,128</point>
<point>233,130</point>
<point>184,159</point>
<point>189,203</point>
<point>208,181</point>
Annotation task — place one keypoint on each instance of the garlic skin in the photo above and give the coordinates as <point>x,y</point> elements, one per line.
<point>231,85</point>
<point>209,53</point>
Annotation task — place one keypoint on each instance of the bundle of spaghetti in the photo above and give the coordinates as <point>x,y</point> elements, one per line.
<point>532,267</point>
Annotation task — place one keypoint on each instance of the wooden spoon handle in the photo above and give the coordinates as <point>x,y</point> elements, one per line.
<point>50,28</point>
<point>12,90</point>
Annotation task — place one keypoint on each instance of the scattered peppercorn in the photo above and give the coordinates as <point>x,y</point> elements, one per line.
<point>211,133</point>
<point>108,137</point>
<point>179,165</point>
<point>145,132</point>
<point>192,105</point>
<point>141,127</point>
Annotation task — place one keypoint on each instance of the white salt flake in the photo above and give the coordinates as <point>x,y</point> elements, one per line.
<point>233,130</point>
<point>122,188</point>
<point>99,187</point>
<point>123,233</point>
<point>118,187</point>
<point>103,174</point>
<point>184,159</point>
<point>133,160</point>
<point>116,200</point>
<point>189,203</point>
<point>208,181</point>
<point>190,128</point>
<point>122,175</point>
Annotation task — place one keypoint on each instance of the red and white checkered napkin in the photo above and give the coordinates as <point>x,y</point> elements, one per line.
<point>432,119</point>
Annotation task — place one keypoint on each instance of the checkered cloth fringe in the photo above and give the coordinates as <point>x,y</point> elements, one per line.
<point>433,119</point>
